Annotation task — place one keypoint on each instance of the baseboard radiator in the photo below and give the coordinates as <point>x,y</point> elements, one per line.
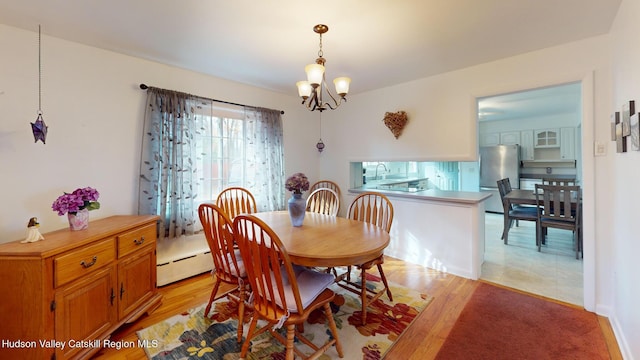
<point>182,258</point>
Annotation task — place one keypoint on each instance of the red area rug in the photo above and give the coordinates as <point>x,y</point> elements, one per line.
<point>498,323</point>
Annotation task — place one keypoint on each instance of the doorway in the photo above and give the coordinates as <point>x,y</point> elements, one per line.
<point>520,118</point>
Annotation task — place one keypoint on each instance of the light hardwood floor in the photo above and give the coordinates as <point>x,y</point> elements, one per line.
<point>421,340</point>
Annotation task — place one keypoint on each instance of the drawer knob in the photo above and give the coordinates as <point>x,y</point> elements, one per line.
<point>90,264</point>
<point>139,242</point>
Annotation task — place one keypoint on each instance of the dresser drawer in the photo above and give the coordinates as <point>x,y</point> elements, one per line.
<point>79,262</point>
<point>135,239</point>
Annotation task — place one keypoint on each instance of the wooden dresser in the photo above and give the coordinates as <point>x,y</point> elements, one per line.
<point>62,297</point>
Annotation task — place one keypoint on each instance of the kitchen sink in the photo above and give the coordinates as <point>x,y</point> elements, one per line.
<point>402,189</point>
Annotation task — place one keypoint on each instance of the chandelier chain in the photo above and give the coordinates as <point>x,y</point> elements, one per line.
<point>320,53</point>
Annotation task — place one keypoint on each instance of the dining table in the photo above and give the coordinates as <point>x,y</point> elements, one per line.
<point>325,240</point>
<point>521,197</point>
<point>525,197</point>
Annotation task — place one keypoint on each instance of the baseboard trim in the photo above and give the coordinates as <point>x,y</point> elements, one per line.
<point>182,268</point>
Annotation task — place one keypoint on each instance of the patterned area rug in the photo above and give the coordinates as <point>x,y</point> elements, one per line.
<point>191,336</point>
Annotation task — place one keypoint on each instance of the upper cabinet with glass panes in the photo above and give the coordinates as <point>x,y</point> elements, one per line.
<point>547,138</point>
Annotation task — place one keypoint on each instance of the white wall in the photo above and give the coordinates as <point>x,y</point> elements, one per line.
<point>622,179</point>
<point>442,126</point>
<point>94,109</point>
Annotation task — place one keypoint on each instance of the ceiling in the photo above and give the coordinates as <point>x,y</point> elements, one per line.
<point>267,43</point>
<point>552,100</point>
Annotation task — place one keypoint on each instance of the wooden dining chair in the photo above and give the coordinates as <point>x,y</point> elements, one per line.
<point>376,209</point>
<point>561,209</point>
<point>328,184</point>
<point>323,201</point>
<point>283,294</point>
<point>513,213</point>
<point>558,182</point>
<point>228,266</point>
<point>236,200</point>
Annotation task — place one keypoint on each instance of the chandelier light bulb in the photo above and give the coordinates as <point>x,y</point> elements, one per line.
<point>304,89</point>
<point>315,74</point>
<point>342,85</point>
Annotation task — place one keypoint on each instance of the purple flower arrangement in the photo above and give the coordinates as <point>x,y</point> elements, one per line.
<point>297,183</point>
<point>79,199</point>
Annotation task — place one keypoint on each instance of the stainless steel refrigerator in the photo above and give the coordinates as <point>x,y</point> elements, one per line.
<point>498,162</point>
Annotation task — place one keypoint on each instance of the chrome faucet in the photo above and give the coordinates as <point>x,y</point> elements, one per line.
<point>377,166</point>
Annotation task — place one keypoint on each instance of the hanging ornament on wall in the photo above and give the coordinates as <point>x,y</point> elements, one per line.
<point>320,144</point>
<point>39,128</point>
<point>396,122</point>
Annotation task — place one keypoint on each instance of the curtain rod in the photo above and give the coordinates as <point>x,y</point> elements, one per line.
<point>145,87</point>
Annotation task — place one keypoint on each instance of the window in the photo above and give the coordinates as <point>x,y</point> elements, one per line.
<point>221,149</point>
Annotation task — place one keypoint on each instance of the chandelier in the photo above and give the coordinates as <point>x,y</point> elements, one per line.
<point>312,90</point>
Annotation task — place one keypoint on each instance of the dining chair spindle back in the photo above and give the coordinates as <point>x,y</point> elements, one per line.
<point>236,200</point>
<point>228,266</point>
<point>328,184</point>
<point>376,209</point>
<point>323,201</point>
<point>283,294</point>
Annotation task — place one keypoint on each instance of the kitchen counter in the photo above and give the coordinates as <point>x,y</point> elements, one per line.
<point>466,197</point>
<point>440,229</point>
<point>395,181</point>
<point>541,176</point>
<point>406,184</point>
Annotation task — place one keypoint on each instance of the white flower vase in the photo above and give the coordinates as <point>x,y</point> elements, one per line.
<point>79,220</point>
<point>297,209</point>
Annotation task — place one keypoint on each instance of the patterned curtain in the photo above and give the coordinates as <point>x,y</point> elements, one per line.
<point>265,158</point>
<point>168,180</point>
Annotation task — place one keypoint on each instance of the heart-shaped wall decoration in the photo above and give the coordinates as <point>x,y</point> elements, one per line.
<point>396,122</point>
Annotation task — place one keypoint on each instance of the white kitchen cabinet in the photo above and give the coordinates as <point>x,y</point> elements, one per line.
<point>567,143</point>
<point>546,138</point>
<point>510,138</point>
<point>489,139</point>
<point>526,145</point>
<point>500,138</point>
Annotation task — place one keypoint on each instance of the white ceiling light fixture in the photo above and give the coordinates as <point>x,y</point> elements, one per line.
<point>312,90</point>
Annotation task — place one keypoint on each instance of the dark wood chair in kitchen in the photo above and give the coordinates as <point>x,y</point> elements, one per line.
<point>513,213</point>
<point>558,182</point>
<point>561,209</point>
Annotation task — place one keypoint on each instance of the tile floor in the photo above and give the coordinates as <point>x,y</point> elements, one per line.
<point>554,272</point>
